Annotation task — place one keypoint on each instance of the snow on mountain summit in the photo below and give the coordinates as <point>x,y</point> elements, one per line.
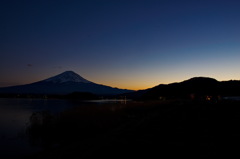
<point>68,76</point>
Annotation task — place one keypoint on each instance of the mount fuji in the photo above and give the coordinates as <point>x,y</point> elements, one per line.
<point>64,83</point>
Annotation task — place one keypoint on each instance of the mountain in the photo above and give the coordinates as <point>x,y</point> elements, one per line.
<point>68,76</point>
<point>64,83</point>
<point>197,87</point>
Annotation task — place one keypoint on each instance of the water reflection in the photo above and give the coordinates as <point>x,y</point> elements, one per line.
<point>31,125</point>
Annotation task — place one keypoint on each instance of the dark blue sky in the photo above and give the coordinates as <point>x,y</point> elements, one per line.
<point>132,44</point>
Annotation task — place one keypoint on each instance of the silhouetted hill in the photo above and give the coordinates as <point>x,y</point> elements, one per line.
<point>136,94</point>
<point>230,88</point>
<point>81,96</point>
<point>197,87</point>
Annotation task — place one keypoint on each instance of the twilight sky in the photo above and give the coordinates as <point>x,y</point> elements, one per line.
<point>134,44</point>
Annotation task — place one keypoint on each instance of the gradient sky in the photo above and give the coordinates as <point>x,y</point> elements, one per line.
<point>134,44</point>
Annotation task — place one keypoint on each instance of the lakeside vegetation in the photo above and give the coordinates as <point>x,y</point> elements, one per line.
<point>139,129</point>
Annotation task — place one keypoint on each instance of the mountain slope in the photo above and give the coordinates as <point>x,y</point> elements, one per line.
<point>197,86</point>
<point>64,83</point>
<point>67,76</point>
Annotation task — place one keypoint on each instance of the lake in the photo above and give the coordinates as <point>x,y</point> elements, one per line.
<point>109,128</point>
<point>15,119</point>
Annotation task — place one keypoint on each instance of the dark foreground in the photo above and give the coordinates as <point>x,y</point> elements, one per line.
<point>154,129</point>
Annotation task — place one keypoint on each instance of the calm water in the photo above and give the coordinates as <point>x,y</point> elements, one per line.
<point>14,119</point>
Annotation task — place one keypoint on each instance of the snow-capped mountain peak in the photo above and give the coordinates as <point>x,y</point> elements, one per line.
<point>68,76</point>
